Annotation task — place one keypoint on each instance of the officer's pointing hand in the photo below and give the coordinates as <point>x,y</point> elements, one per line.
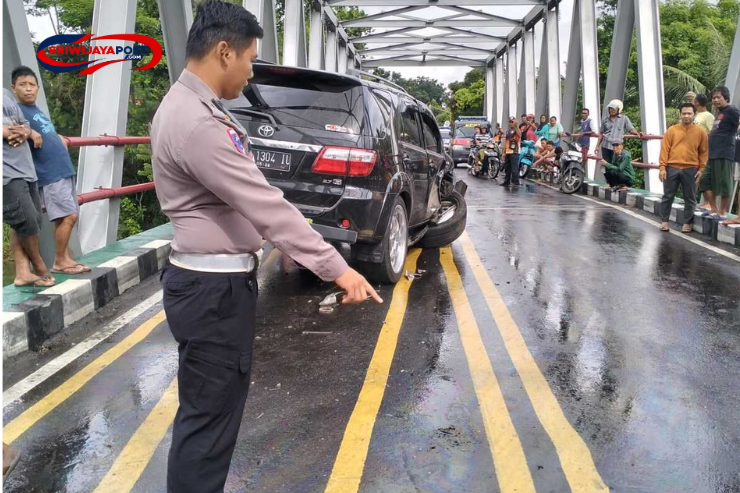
<point>356,287</point>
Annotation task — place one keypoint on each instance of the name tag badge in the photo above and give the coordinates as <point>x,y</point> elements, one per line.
<point>236,140</point>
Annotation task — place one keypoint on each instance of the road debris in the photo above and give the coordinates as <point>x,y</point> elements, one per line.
<point>315,333</point>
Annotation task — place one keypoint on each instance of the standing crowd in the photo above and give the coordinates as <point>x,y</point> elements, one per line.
<point>700,154</point>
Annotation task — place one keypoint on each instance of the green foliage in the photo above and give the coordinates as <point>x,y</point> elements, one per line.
<point>424,89</point>
<point>468,94</point>
<point>131,219</point>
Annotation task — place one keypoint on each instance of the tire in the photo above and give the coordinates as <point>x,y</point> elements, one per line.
<point>523,170</point>
<point>572,181</point>
<point>442,234</point>
<point>494,168</point>
<point>395,248</point>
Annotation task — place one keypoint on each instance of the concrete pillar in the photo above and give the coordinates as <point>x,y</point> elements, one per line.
<point>331,50</point>
<point>342,58</point>
<point>264,10</point>
<point>572,71</point>
<point>294,34</point>
<point>733,71</point>
<point>652,92</point>
<point>541,103</point>
<point>316,41</point>
<point>106,112</point>
<point>553,63</point>
<point>511,72</point>
<point>590,69</point>
<point>529,71</point>
<point>489,95</point>
<point>176,17</point>
<point>521,96</point>
<point>499,92</point>
<point>619,59</point>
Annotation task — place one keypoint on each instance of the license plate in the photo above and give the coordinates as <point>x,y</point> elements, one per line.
<point>279,161</point>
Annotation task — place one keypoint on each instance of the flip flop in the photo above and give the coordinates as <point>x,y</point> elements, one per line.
<point>85,268</point>
<point>12,465</point>
<point>37,283</point>
<point>732,221</point>
<point>70,271</point>
<point>664,229</point>
<point>686,229</point>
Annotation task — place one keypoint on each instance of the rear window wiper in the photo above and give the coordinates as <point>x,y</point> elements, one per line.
<point>258,114</point>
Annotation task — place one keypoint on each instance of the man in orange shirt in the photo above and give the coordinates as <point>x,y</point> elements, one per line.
<point>683,157</point>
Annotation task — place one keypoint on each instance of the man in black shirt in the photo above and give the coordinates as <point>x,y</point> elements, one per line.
<point>717,179</point>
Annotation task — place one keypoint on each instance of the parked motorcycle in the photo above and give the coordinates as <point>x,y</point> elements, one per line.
<point>572,175</point>
<point>526,157</point>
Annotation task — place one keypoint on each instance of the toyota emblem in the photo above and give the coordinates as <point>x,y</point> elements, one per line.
<point>266,131</point>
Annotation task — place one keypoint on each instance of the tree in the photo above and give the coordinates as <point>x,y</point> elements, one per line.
<point>467,95</point>
<point>424,89</point>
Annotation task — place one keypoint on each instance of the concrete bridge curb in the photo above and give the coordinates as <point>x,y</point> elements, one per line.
<point>26,325</point>
<point>645,201</point>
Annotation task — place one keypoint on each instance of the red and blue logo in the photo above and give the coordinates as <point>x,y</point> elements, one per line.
<point>75,44</point>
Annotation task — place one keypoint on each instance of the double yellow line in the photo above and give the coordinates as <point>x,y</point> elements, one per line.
<point>510,463</point>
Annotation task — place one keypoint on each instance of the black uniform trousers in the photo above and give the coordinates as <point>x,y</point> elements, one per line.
<point>617,178</point>
<point>212,317</point>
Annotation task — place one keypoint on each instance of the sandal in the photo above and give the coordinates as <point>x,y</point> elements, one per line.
<point>664,228</point>
<point>732,221</point>
<point>687,228</point>
<point>70,271</point>
<point>39,282</point>
<point>85,268</point>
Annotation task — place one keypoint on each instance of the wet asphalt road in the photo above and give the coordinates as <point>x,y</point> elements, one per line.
<point>636,333</point>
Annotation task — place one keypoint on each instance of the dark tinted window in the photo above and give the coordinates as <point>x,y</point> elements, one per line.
<point>431,140</point>
<point>305,100</point>
<point>379,112</point>
<point>410,131</point>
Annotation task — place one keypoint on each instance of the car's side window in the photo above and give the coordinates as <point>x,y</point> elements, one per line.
<point>432,140</point>
<point>410,131</point>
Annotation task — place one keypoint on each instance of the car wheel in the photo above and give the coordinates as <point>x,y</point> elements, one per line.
<point>453,218</point>
<point>394,246</point>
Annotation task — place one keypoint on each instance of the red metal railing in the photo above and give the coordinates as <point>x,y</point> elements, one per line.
<point>112,140</point>
<point>109,140</point>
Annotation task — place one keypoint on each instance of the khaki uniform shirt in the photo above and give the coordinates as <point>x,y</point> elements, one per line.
<point>209,186</point>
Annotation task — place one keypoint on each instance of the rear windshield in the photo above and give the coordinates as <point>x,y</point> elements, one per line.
<point>445,133</point>
<point>305,100</point>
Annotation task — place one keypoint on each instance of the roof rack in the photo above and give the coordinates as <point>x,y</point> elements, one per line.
<point>360,73</point>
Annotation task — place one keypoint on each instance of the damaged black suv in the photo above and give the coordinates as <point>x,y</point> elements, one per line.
<point>360,158</point>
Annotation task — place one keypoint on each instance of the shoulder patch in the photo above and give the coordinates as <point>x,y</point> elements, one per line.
<point>236,140</point>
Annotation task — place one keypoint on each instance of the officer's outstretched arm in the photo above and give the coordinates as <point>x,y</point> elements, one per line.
<point>225,169</point>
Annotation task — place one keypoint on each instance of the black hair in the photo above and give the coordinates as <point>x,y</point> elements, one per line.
<point>558,150</point>
<point>702,100</point>
<point>586,109</point>
<point>217,21</point>
<point>723,91</point>
<point>20,72</point>
<point>551,142</point>
<point>687,105</point>
<point>553,116</point>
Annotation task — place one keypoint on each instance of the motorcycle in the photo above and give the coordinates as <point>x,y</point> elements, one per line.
<point>491,154</point>
<point>571,175</point>
<point>526,158</point>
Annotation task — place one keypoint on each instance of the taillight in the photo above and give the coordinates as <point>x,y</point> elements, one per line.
<point>461,142</point>
<point>344,161</point>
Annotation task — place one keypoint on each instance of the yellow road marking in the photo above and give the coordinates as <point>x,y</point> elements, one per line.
<point>350,462</point>
<point>575,457</point>
<point>30,416</point>
<point>511,466</point>
<point>133,459</point>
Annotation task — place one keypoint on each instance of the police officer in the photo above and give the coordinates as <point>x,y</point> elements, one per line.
<point>221,207</point>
